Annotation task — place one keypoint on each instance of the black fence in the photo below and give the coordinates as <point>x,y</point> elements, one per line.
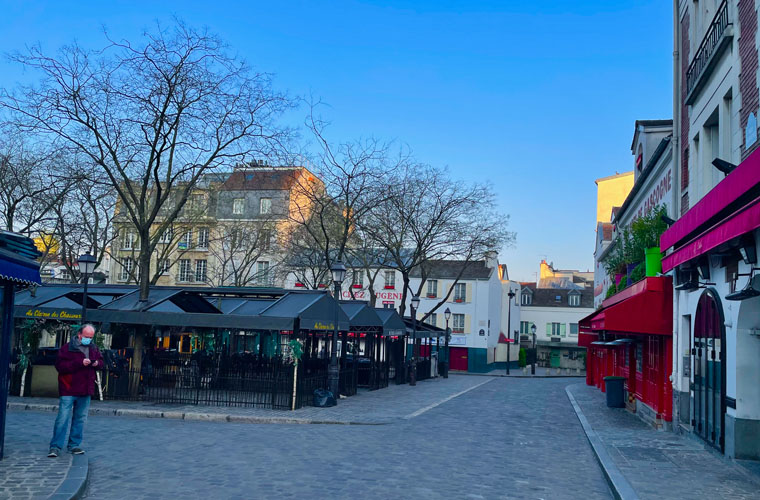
<point>423,369</point>
<point>373,375</point>
<point>270,385</point>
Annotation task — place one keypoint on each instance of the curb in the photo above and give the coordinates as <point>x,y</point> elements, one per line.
<point>74,484</point>
<point>519,376</point>
<point>621,488</point>
<point>191,416</point>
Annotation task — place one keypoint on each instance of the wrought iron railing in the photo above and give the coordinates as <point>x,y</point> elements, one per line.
<point>707,47</point>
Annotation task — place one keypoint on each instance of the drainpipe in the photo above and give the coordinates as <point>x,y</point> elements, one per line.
<point>676,376</point>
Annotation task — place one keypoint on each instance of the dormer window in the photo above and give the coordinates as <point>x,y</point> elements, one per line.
<point>526,299</point>
<point>574,299</point>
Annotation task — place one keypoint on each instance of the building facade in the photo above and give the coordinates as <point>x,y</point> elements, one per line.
<point>710,251</point>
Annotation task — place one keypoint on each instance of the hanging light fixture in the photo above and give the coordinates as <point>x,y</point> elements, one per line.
<point>750,290</point>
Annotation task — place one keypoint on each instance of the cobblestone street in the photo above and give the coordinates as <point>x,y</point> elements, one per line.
<point>506,438</point>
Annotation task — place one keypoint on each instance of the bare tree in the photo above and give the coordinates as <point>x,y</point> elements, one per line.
<point>237,247</point>
<point>428,216</point>
<point>154,117</point>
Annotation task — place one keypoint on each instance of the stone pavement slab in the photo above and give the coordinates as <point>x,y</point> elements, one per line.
<point>382,406</point>
<point>661,464</point>
<point>26,471</point>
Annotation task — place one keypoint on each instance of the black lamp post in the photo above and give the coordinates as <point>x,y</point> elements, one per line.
<point>86,267</point>
<point>535,354</point>
<point>447,315</point>
<point>511,295</point>
<point>333,372</point>
<point>415,350</point>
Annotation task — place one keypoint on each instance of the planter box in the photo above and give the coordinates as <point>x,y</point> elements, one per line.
<point>389,288</point>
<point>431,296</point>
<point>458,300</point>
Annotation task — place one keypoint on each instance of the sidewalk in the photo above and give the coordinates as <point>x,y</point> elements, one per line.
<point>25,472</point>
<point>541,371</point>
<point>641,462</point>
<point>383,406</point>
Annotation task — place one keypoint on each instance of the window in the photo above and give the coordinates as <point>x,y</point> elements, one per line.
<point>458,326</point>
<point>265,239</point>
<point>526,299</point>
<point>574,299</point>
<point>390,279</point>
<point>163,266</point>
<point>197,202</point>
<point>573,328</point>
<point>166,236</point>
<point>200,270</point>
<point>639,357</point>
<point>432,289</point>
<point>555,329</point>
<point>357,278</point>
<point>388,304</point>
<point>186,242</point>
<point>732,271</point>
<point>433,319</point>
<point>127,266</point>
<point>237,206</point>
<point>202,237</point>
<point>185,273</point>
<point>262,273</point>
<point>460,292</point>
<point>558,298</point>
<point>129,240</point>
<point>265,206</point>
<point>525,327</point>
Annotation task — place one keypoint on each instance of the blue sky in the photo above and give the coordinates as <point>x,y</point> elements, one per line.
<point>539,98</point>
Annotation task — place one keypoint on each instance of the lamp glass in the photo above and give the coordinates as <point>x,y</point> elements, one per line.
<point>338,272</point>
<point>447,313</point>
<point>86,264</point>
<point>533,328</point>
<point>416,302</point>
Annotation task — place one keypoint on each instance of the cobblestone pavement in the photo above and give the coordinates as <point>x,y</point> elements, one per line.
<point>368,407</point>
<point>25,471</point>
<point>662,464</point>
<point>507,438</point>
<point>541,371</point>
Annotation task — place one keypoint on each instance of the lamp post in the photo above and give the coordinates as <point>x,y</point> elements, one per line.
<point>333,372</point>
<point>86,267</point>
<point>511,294</point>
<point>535,354</point>
<point>447,315</point>
<point>415,351</point>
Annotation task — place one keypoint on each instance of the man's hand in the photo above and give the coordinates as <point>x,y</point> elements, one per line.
<point>86,362</point>
<point>94,363</point>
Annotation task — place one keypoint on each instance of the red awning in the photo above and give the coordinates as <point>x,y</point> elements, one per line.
<point>740,222</point>
<point>585,339</point>
<point>734,185</point>
<point>645,307</point>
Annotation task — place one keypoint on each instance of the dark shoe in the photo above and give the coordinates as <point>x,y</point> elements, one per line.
<point>77,451</point>
<point>53,453</point>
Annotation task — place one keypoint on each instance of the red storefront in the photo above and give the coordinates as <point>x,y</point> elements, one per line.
<point>632,336</point>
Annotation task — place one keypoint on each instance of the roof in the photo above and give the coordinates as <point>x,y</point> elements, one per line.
<point>450,269</point>
<point>392,322</point>
<point>262,179</point>
<point>615,176</point>
<point>361,317</point>
<point>18,256</point>
<point>547,297</point>
<point>645,173</point>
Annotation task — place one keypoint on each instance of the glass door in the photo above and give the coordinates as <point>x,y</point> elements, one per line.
<point>707,353</point>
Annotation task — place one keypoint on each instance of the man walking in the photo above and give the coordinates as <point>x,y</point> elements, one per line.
<point>76,365</point>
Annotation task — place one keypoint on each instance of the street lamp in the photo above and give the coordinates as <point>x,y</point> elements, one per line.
<point>338,275</point>
<point>415,351</point>
<point>86,267</point>
<point>447,315</point>
<point>511,295</point>
<point>535,354</point>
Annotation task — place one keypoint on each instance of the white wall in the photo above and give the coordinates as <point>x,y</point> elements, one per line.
<point>543,315</point>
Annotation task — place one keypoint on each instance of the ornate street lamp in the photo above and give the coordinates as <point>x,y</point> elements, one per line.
<point>86,267</point>
<point>535,354</point>
<point>447,315</point>
<point>415,350</point>
<point>333,372</point>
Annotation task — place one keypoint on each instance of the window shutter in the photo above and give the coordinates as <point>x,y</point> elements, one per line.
<point>468,292</point>
<point>548,329</point>
<point>562,330</point>
<point>467,324</point>
<point>447,287</point>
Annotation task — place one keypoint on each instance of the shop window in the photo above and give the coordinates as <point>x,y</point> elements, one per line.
<point>639,357</point>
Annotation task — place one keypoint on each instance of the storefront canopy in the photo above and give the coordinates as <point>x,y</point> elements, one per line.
<point>361,317</point>
<point>393,325</point>
<point>18,259</point>
<point>187,307</point>
<point>645,307</point>
<point>423,330</point>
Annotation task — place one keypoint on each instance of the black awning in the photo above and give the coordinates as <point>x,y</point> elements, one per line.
<point>361,317</point>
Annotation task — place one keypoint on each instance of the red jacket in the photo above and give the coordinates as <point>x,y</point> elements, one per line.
<point>75,379</point>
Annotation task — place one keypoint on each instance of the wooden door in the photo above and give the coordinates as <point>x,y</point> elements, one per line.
<point>458,358</point>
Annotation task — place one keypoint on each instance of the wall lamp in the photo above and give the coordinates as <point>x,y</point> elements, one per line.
<point>723,166</point>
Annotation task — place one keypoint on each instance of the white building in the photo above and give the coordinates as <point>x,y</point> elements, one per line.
<point>555,312</point>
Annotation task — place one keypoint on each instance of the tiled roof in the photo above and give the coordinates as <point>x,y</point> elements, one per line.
<point>450,269</point>
<point>547,297</point>
<point>276,178</point>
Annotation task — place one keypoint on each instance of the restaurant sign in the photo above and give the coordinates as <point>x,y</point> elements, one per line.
<point>62,314</point>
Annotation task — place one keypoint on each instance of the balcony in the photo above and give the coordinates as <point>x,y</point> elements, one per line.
<point>717,38</point>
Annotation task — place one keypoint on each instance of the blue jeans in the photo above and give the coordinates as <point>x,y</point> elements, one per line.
<point>80,405</point>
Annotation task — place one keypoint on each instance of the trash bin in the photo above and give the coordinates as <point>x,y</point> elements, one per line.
<point>615,396</point>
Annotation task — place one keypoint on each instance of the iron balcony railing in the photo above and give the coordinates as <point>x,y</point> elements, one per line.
<point>708,46</point>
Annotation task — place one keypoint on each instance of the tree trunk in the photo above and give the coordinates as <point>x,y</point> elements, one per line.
<point>134,375</point>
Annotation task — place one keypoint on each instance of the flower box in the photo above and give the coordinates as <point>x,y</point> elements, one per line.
<point>300,285</point>
<point>458,300</point>
<point>431,295</point>
<point>356,286</point>
<point>389,287</point>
